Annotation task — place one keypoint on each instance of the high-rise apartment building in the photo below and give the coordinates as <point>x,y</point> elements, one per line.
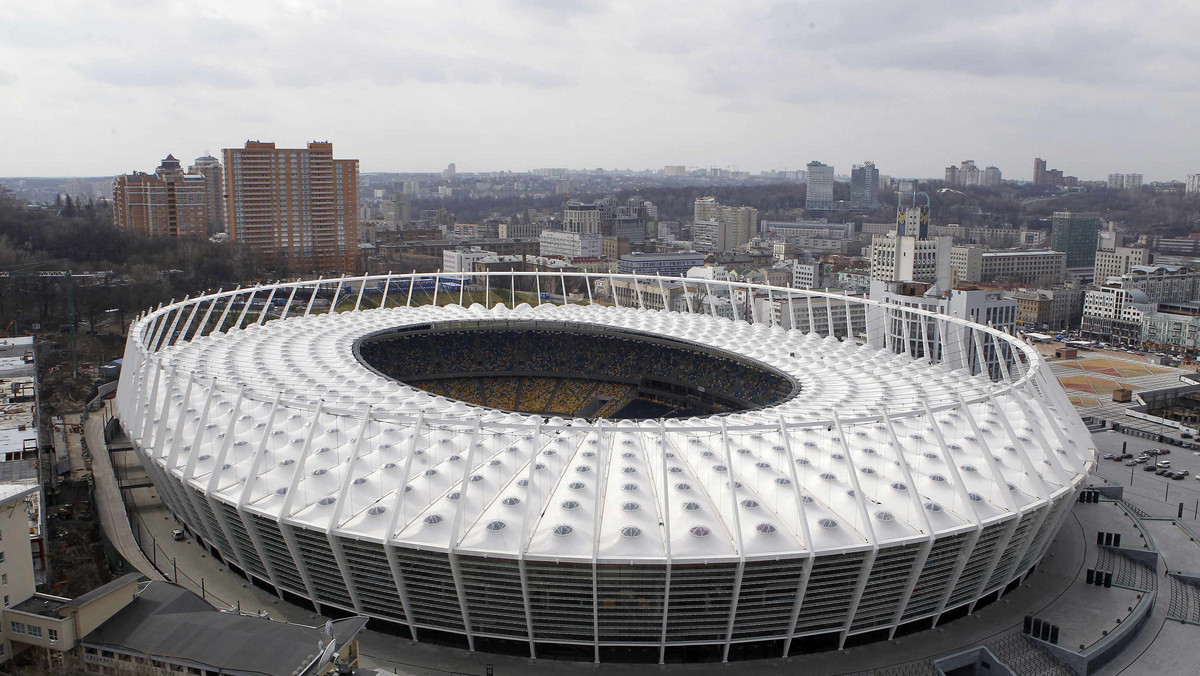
<point>716,227</point>
<point>1075,234</point>
<point>674,171</point>
<point>1124,181</point>
<point>1193,184</point>
<point>1051,177</point>
<point>864,186</point>
<point>296,206</point>
<point>819,193</point>
<point>968,173</point>
<point>214,192</point>
<point>991,177</point>
<point>167,203</point>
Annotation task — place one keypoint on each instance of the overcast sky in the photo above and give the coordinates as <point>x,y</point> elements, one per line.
<point>1092,86</point>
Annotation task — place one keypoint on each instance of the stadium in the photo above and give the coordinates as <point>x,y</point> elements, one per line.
<point>698,470</point>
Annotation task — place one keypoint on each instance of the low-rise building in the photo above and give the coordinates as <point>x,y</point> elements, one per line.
<point>1115,314</point>
<point>665,264</point>
<point>165,628</point>
<point>975,265</point>
<point>808,274</point>
<point>1049,309</point>
<point>463,259</point>
<point>571,245</point>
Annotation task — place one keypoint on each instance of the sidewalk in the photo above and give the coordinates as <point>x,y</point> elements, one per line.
<point>113,518</point>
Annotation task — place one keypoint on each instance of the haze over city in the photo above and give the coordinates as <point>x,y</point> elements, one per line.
<point>497,337</point>
<point>96,88</point>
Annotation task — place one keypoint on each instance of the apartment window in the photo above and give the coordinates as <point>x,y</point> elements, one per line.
<point>16,627</point>
<point>4,579</point>
<point>35,631</point>
<point>1,557</point>
<point>52,634</point>
<point>6,600</point>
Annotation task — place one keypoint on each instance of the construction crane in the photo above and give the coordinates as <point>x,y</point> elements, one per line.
<point>66,276</point>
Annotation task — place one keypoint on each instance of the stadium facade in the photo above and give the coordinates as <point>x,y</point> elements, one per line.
<point>879,486</point>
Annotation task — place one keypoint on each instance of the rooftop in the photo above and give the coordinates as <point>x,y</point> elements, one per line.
<point>41,604</point>
<point>169,621</point>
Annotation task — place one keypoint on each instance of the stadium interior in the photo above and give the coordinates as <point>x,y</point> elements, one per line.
<point>572,370</point>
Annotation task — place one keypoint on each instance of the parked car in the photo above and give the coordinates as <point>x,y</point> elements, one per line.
<point>1161,472</point>
<point>177,534</point>
<point>1177,476</point>
<point>1130,463</point>
<point>1109,456</point>
<point>1164,464</point>
<point>1149,468</point>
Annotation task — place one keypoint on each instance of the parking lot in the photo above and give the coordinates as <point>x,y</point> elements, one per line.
<point>1158,495</point>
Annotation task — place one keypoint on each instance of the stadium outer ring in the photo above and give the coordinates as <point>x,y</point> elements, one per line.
<point>1010,421</point>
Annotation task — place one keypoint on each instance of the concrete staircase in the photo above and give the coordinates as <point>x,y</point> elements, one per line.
<point>1026,658</point>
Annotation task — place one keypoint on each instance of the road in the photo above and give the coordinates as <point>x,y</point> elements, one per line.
<point>113,517</point>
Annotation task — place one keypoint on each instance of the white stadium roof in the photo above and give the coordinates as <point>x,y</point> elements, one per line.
<point>284,437</point>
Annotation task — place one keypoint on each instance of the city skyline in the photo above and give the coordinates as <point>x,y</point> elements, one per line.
<point>529,83</point>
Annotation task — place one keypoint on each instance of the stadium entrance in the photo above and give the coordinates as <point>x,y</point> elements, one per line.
<point>573,370</point>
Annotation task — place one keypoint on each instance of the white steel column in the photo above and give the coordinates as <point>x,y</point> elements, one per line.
<point>262,316</point>
<point>968,509</point>
<point>387,284</point>
<point>285,529</point>
<point>456,537</point>
<point>602,458</point>
<point>741,549</point>
<point>188,324</point>
<point>389,549</point>
<point>312,298</point>
<point>666,520</point>
<point>245,308</point>
<point>867,528</point>
<point>244,497</point>
<point>526,532</point>
<point>914,500</point>
<point>1037,483</point>
<point>288,306</point>
<point>850,318</point>
<point>1007,498</point>
<point>207,313</point>
<point>336,293</point>
<point>362,287</point>
<point>148,404</point>
<point>335,521</point>
<point>805,534</point>
<point>220,327</point>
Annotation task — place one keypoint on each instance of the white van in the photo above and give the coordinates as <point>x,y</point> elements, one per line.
<point>1164,464</point>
